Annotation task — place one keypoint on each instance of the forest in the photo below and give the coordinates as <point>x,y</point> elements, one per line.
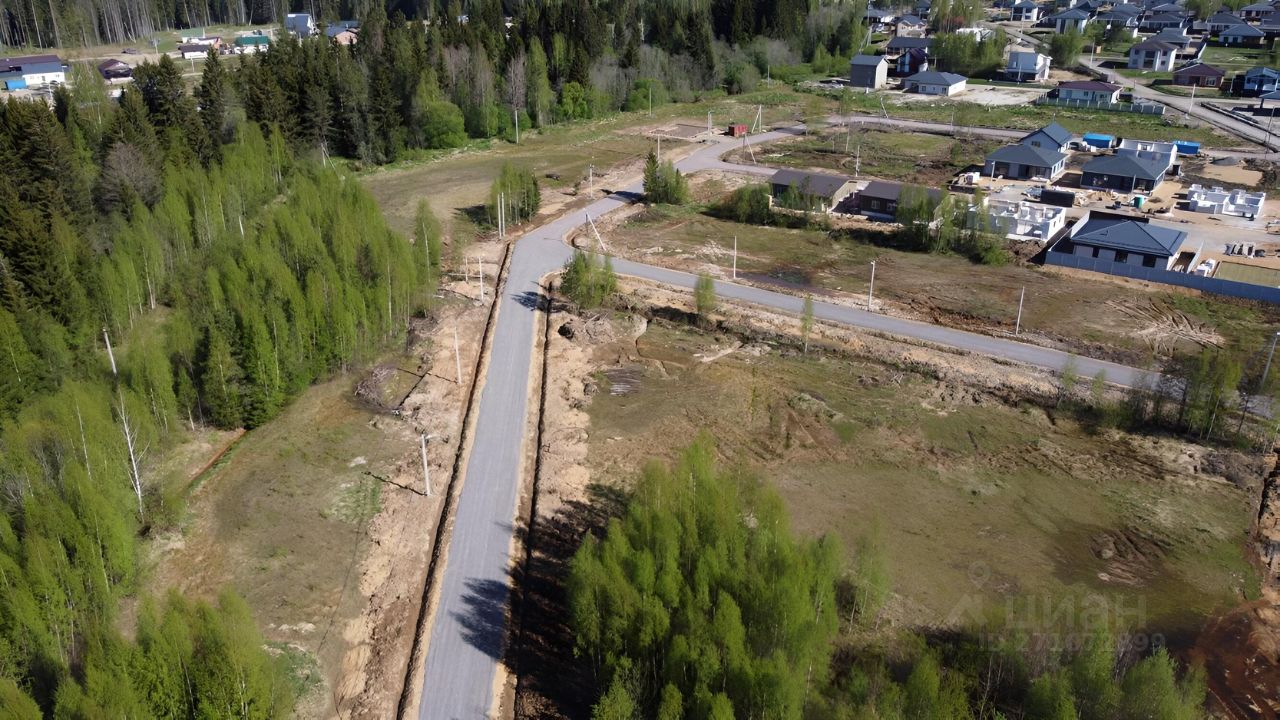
<point>163,268</point>
<point>699,603</point>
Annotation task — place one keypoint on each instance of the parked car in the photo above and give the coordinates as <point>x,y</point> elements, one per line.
<point>131,51</point>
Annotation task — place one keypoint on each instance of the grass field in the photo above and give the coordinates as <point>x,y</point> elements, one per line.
<point>981,504</point>
<point>1085,315</point>
<point>1030,117</point>
<point>1253,274</point>
<point>281,519</point>
<point>455,180</point>
<point>930,160</point>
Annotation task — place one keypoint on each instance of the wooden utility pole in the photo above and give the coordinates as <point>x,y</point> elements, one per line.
<point>457,356</point>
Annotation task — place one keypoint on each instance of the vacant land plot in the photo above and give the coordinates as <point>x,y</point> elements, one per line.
<point>921,158</point>
<point>282,520</point>
<point>981,502</point>
<point>1030,117</point>
<point>458,181</point>
<point>1084,314</point>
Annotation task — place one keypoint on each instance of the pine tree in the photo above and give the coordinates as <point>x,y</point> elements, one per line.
<point>212,97</point>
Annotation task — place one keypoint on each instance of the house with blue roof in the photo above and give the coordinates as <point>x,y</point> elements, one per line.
<point>1123,240</point>
<point>17,73</point>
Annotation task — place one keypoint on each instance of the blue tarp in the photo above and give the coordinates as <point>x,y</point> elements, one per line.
<point>1099,140</point>
<point>1186,147</point>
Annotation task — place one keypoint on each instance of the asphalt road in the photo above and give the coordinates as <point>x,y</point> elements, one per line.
<point>468,632</point>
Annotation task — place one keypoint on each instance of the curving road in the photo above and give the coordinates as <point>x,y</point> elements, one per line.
<point>468,632</point>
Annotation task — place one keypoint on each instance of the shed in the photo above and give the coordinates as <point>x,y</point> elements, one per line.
<point>737,130</point>
<point>1061,198</point>
<point>1186,147</point>
<point>1098,140</point>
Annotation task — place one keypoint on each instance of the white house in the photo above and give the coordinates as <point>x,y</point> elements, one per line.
<point>1025,11</point>
<point>300,24</point>
<point>1018,220</point>
<point>1088,91</point>
<point>935,83</point>
<point>1222,202</point>
<point>26,71</point>
<point>1068,20</point>
<point>1153,55</point>
<point>1027,66</point>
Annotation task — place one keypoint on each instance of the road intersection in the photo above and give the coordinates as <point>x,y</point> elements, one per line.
<point>468,634</point>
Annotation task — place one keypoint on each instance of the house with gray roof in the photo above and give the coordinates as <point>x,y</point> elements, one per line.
<point>1242,35</point>
<point>1123,240</point>
<point>879,199</point>
<point>1068,20</point>
<point>1025,11</point>
<point>935,83</point>
<point>899,44</point>
<point>1122,173</point>
<point>1052,137</point>
<point>1260,80</point>
<point>1221,21</point>
<point>1162,21</point>
<point>1256,11</point>
<point>1152,55</point>
<point>1023,162</point>
<point>1088,91</point>
<point>809,190</point>
<point>868,71</point>
<point>1175,37</point>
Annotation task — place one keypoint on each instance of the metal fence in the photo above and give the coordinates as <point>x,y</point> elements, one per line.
<point>1166,277</point>
<point>1141,108</point>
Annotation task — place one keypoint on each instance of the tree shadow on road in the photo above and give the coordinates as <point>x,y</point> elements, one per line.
<point>553,683</point>
<point>484,622</point>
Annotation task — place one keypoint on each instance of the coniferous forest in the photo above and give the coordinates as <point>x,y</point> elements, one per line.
<point>162,268</point>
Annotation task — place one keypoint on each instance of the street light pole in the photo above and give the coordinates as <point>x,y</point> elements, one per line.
<point>1267,368</point>
<point>872,286</point>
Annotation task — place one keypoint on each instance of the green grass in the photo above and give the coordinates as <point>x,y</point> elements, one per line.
<point>979,500</point>
<point>1030,117</point>
<point>1234,58</point>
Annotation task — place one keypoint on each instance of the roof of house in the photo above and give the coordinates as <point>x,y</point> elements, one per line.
<point>906,43</point>
<point>1263,71</point>
<point>1173,36</point>
<point>933,77</point>
<point>1118,17</point>
<point>336,30</point>
<point>810,182</point>
<point>1026,5</point>
<point>920,55</point>
<point>1243,30</point>
<point>14,64</point>
<point>1224,17</point>
<point>1097,85</point>
<point>1166,18</point>
<point>910,20</point>
<point>1199,69</point>
<point>1126,8</point>
<point>253,40</point>
<point>1027,155</point>
<point>193,48</point>
<point>111,63</point>
<point>1126,234</point>
<point>1127,166</point>
<point>1273,95</point>
<point>867,60</point>
<point>1072,14</point>
<point>1153,44</point>
<point>1056,133</point>
<point>1257,7</point>
<point>1168,9</point>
